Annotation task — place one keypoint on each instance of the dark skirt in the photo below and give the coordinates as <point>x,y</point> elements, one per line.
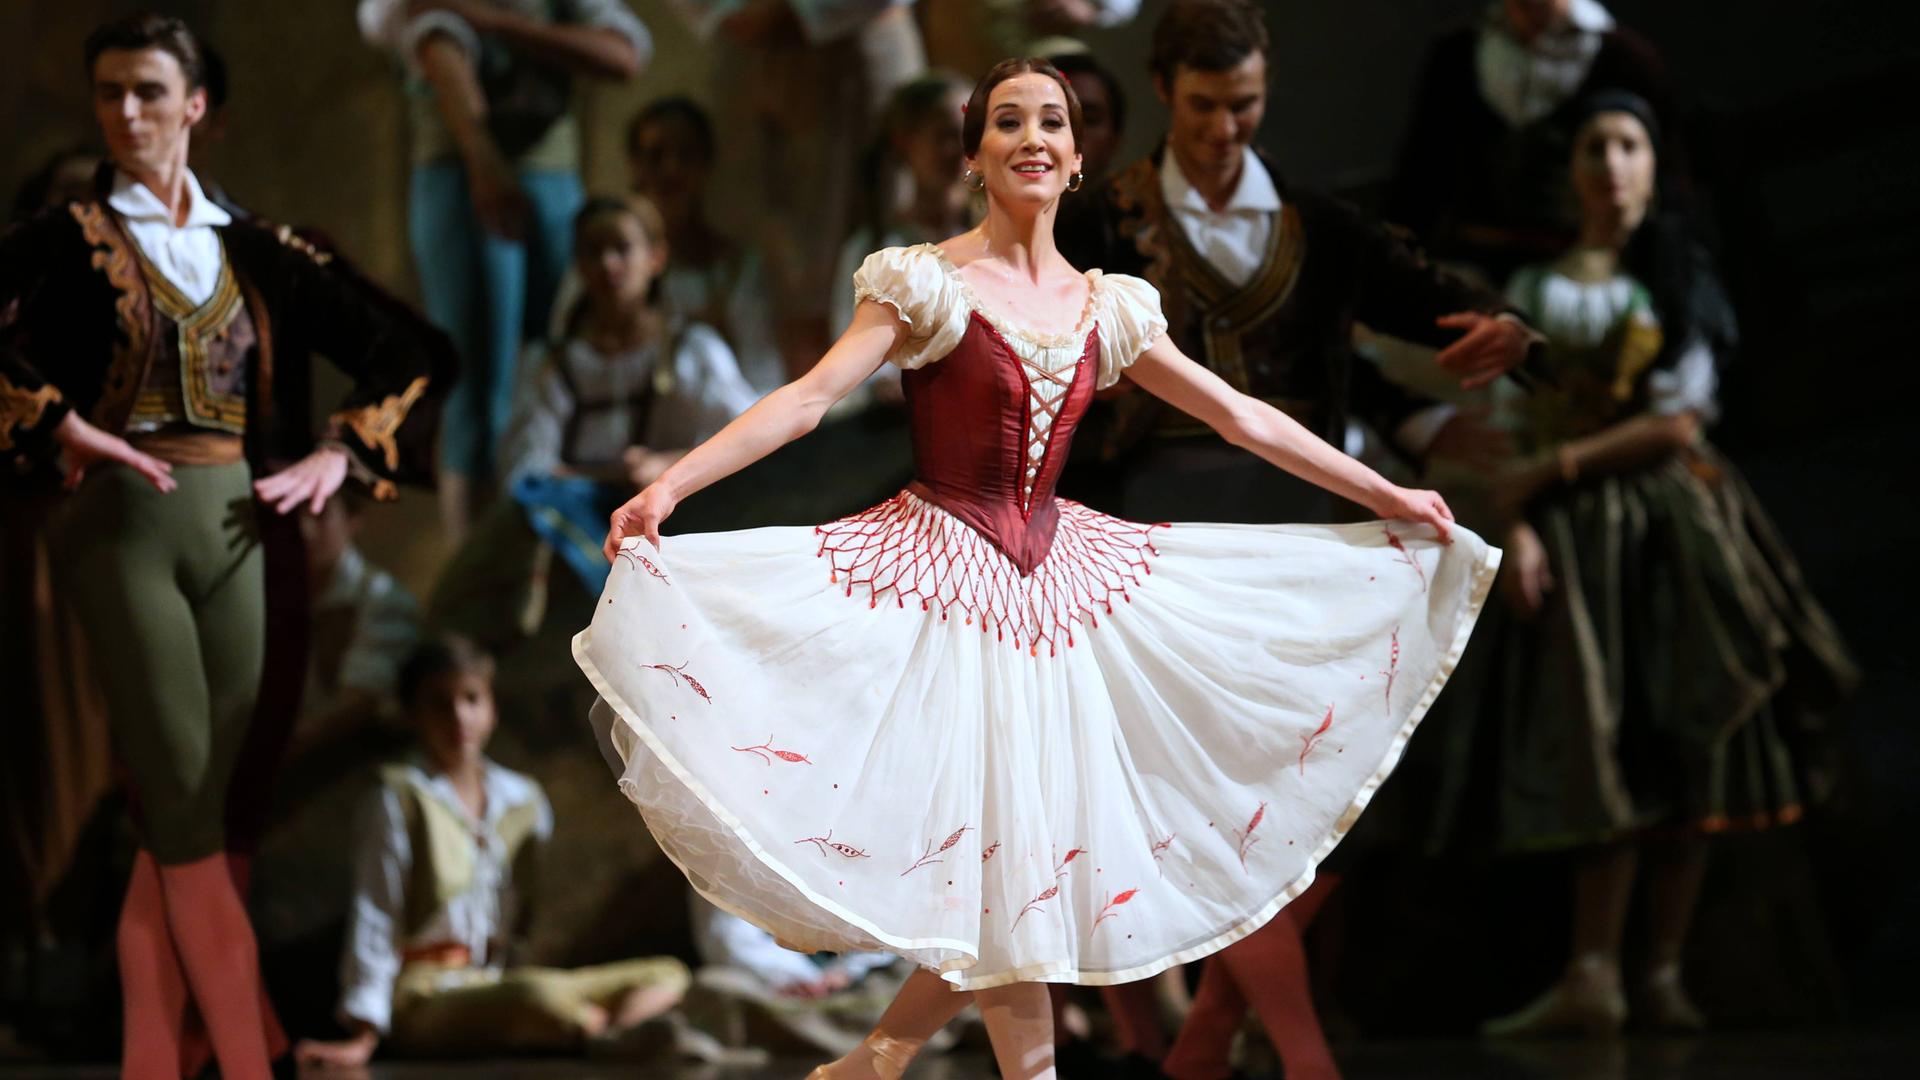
<point>1675,676</point>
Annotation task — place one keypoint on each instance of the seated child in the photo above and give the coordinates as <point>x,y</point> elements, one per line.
<point>624,390</point>
<point>443,883</point>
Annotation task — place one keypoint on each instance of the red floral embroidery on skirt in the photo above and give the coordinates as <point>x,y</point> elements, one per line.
<point>933,854</point>
<point>678,672</point>
<point>1245,836</point>
<point>1106,908</point>
<point>828,843</point>
<point>636,559</point>
<point>907,549</point>
<point>766,752</point>
<point>1393,665</point>
<point>1308,742</point>
<point>1406,556</point>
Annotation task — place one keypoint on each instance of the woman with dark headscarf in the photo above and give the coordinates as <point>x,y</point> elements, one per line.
<point>1660,631</point>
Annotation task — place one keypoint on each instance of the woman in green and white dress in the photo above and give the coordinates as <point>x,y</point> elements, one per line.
<point>1661,659</point>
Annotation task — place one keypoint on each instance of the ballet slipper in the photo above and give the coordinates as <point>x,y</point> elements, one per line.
<point>886,1057</point>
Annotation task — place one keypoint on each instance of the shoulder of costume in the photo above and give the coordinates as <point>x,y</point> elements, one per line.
<point>401,774</point>
<point>1274,174</point>
<point>47,225</point>
<point>1316,205</point>
<point>1124,190</point>
<point>265,233</point>
<point>517,785</point>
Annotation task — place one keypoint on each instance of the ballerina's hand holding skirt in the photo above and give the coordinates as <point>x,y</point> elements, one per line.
<point>993,731</point>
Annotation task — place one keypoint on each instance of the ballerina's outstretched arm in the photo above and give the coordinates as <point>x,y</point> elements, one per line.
<point>774,421</point>
<point>1251,424</point>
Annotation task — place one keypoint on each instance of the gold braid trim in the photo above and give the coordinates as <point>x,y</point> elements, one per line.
<point>375,425</point>
<point>287,236</point>
<point>22,408</point>
<point>1144,222</point>
<point>112,255</point>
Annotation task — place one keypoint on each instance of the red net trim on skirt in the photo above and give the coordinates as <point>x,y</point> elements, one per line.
<point>908,551</point>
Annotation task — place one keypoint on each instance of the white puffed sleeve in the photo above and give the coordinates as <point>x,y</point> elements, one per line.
<point>917,283</point>
<point>1128,311</point>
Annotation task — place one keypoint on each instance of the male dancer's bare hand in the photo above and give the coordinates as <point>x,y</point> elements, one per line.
<point>83,446</point>
<point>1491,346</point>
<point>311,480</point>
<point>639,516</point>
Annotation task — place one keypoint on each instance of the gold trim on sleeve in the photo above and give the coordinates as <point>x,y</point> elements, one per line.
<point>22,408</point>
<point>376,425</point>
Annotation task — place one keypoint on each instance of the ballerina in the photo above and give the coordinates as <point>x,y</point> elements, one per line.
<point>997,733</point>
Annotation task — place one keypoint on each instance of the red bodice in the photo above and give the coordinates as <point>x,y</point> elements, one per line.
<point>990,437</point>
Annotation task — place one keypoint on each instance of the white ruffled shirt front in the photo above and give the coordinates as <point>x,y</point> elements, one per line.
<point>187,255</point>
<point>1232,239</point>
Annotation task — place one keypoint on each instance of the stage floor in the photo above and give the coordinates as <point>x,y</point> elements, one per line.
<point>1734,1055</point>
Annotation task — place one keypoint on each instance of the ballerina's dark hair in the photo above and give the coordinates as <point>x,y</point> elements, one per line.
<point>975,125</point>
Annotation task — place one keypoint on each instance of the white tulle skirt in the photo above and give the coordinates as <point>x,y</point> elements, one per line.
<point>877,734</point>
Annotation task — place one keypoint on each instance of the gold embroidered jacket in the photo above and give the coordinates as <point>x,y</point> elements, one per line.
<point>81,327</point>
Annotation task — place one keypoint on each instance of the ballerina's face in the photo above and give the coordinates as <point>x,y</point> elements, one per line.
<point>1027,151</point>
<point>1613,169</point>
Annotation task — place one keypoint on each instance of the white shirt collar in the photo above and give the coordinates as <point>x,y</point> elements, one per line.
<point>1256,192</point>
<point>494,780</point>
<point>132,200</point>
